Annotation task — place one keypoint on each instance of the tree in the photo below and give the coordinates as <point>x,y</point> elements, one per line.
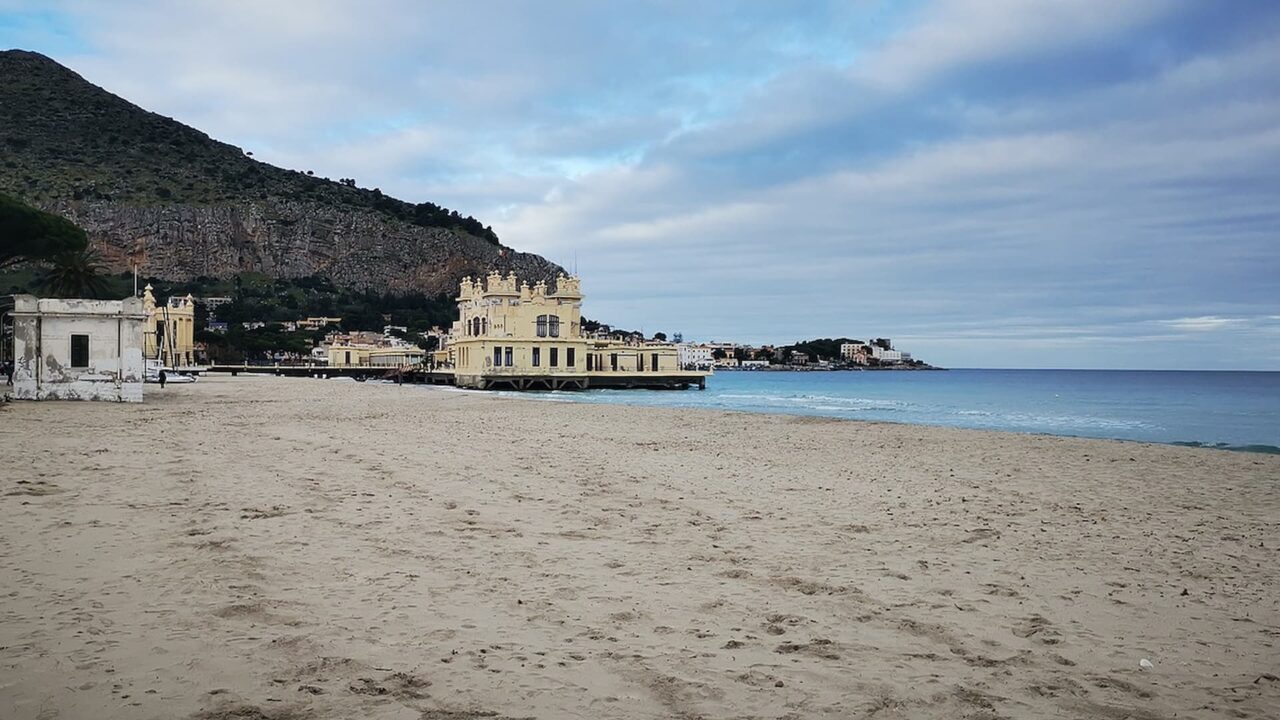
<point>660,337</point>
<point>74,275</point>
<point>30,234</point>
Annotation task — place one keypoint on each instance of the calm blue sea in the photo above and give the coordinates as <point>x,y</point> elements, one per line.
<point>1236,410</point>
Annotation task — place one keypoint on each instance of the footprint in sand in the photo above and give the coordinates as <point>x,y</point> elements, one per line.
<point>35,488</point>
<point>1038,626</point>
<point>818,647</point>
<point>1113,683</point>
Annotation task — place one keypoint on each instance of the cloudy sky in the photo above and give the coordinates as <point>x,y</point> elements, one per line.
<point>992,183</point>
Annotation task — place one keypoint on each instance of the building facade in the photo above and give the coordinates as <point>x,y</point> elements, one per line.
<point>78,349</point>
<point>375,356</point>
<point>511,334</point>
<point>694,357</point>
<point>855,352</point>
<point>886,356</point>
<point>169,333</point>
<point>317,323</point>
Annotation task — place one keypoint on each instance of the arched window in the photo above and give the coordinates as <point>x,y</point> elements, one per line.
<point>484,326</point>
<point>475,326</point>
<point>542,326</point>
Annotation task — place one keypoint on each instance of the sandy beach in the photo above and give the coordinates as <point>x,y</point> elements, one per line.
<point>289,548</point>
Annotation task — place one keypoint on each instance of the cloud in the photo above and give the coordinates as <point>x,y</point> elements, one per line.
<point>1203,323</point>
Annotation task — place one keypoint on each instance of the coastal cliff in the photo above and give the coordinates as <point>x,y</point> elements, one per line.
<point>149,189</point>
<point>281,238</point>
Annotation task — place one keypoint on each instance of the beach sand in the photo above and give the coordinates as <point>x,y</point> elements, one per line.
<point>290,548</point>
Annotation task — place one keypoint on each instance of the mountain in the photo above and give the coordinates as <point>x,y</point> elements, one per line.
<point>144,185</point>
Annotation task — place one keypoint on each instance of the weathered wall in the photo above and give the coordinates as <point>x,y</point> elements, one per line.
<point>42,331</point>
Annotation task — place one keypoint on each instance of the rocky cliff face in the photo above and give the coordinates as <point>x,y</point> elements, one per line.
<point>354,248</point>
<point>145,186</point>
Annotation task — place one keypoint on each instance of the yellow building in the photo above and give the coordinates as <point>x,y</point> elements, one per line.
<point>169,330</point>
<point>510,334</point>
<point>375,356</point>
<point>316,323</point>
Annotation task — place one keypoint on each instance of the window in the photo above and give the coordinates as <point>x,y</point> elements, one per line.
<point>79,351</point>
<point>568,358</point>
<point>548,326</point>
<point>639,362</point>
<point>510,351</point>
<point>654,361</point>
<point>555,357</point>
<point>590,365</point>
<point>537,357</point>
<point>613,361</point>
<point>497,357</point>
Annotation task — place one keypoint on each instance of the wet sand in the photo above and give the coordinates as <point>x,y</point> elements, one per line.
<point>290,548</point>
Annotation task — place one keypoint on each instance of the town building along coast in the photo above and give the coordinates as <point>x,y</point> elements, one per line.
<point>510,334</point>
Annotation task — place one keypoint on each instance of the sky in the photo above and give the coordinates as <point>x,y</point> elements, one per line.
<point>990,183</point>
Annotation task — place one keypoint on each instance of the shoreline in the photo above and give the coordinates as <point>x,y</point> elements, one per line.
<point>536,395</point>
<point>284,548</point>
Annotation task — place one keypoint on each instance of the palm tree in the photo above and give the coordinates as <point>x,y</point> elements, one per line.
<point>74,275</point>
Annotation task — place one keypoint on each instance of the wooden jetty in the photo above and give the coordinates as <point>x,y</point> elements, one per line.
<point>433,376</point>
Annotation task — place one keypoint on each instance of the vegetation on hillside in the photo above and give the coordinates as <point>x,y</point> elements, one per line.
<point>64,138</point>
<point>30,234</point>
<point>819,349</point>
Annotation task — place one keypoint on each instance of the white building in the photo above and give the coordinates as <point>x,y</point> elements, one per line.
<point>213,303</point>
<point>852,351</point>
<point>887,357</point>
<point>694,356</point>
<point>78,349</point>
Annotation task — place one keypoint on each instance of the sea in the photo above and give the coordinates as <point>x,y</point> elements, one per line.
<point>1228,410</point>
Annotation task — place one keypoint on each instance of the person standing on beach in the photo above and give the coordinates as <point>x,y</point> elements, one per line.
<point>162,379</point>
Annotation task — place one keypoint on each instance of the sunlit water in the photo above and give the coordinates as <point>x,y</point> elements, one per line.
<point>1236,410</point>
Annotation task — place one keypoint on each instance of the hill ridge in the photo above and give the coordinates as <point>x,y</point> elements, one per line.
<point>187,205</point>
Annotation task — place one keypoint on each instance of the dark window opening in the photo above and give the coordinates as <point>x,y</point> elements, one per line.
<point>497,357</point>
<point>568,358</point>
<point>79,351</point>
<point>537,357</point>
<point>510,351</point>
<point>654,361</point>
<point>555,357</point>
